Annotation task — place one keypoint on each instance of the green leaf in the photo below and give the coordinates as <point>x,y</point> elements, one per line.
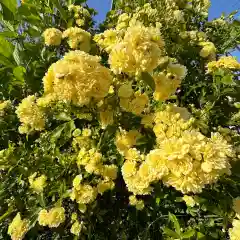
<point>6,48</point>
<point>63,117</point>
<point>148,79</point>
<point>171,233</point>
<point>11,5</point>
<point>19,72</point>
<point>228,80</point>
<point>175,222</point>
<point>188,234</point>
<point>8,34</point>
<point>16,54</point>
<point>200,235</point>
<point>58,6</point>
<point>5,61</point>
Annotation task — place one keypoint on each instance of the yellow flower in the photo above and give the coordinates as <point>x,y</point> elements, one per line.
<point>189,200</point>
<point>86,132</point>
<point>139,204</point>
<point>77,78</point>
<point>4,105</point>
<point>234,232</point>
<point>31,116</point>
<point>223,63</point>
<point>52,37</point>
<point>18,227</point>
<point>52,218</point>
<point>104,185</point>
<point>109,172</point>
<point>76,228</point>
<point>208,50</point>
<point>147,121</point>
<point>125,90</point>
<point>78,38</point>
<point>37,183</point>
<point>139,51</point>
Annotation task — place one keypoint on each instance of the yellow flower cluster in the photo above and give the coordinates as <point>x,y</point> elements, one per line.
<point>229,62</point>
<point>52,218</point>
<point>184,158</point>
<point>78,38</point>
<point>77,78</point>
<point>190,202</point>
<point>139,204</point>
<point>208,50</point>
<point>4,105</point>
<point>82,193</point>
<point>108,39</point>
<point>234,232</point>
<point>37,183</point>
<point>81,14</point>
<point>18,227</point>
<point>52,37</point>
<point>136,103</point>
<point>31,116</point>
<point>126,140</point>
<point>139,51</point>
<point>167,83</point>
<point>92,161</point>
<point>82,139</point>
<point>76,228</point>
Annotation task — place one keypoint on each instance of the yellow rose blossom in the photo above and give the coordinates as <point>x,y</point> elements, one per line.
<point>31,116</point>
<point>139,51</point>
<point>18,227</point>
<point>52,218</point>
<point>52,37</point>
<point>78,38</point>
<point>37,183</point>
<point>104,186</point>
<point>76,228</point>
<point>189,201</point>
<point>78,78</point>
<point>208,50</point>
<point>234,232</point>
<point>139,204</point>
<point>223,63</point>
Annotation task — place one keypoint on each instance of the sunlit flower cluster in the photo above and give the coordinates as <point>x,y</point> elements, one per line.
<point>184,158</point>
<point>78,38</point>
<point>140,51</point>
<point>139,204</point>
<point>52,37</point>
<point>37,183</point>
<point>31,116</point>
<point>167,83</point>
<point>81,14</point>
<point>208,50</point>
<point>18,227</point>
<point>77,78</point>
<point>234,232</point>
<point>190,202</point>
<point>136,103</point>
<point>52,218</point>
<point>229,62</point>
<point>4,105</point>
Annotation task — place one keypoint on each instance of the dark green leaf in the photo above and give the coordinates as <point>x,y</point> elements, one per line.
<point>11,5</point>
<point>148,79</point>
<point>6,48</point>
<point>171,233</point>
<point>175,222</point>
<point>188,234</point>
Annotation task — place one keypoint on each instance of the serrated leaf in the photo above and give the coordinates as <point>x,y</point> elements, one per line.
<point>148,79</point>
<point>188,234</point>
<point>200,235</point>
<point>175,222</point>
<point>170,233</point>
<point>63,117</point>
<point>16,54</point>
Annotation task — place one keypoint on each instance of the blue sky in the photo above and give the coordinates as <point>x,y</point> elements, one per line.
<point>217,7</point>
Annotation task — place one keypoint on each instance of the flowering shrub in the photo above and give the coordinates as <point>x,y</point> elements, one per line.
<point>128,131</point>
